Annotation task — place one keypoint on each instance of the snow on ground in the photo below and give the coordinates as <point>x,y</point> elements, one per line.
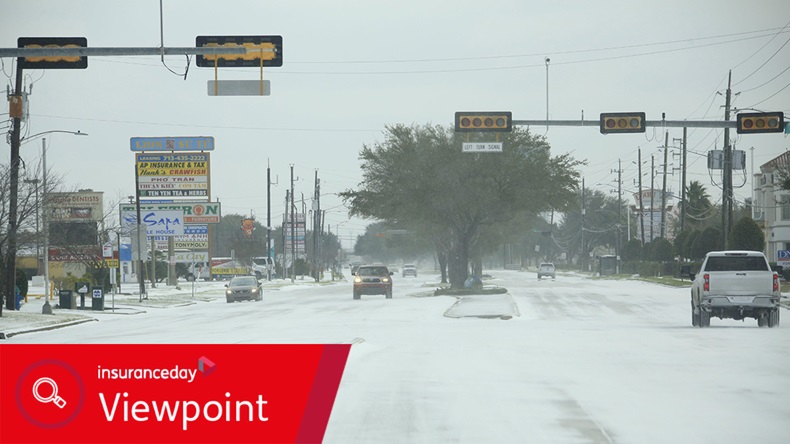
<point>576,360</point>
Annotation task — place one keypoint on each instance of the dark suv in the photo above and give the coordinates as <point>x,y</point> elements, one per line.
<point>372,279</point>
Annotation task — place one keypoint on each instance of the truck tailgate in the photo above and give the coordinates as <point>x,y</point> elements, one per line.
<point>741,283</point>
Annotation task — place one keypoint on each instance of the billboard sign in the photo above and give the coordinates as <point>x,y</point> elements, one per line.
<point>172,143</point>
<point>173,175</point>
<point>194,212</point>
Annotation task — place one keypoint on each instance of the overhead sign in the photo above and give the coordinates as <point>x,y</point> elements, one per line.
<point>239,88</point>
<point>53,62</point>
<point>262,50</point>
<point>484,147</point>
<point>173,175</point>
<point>194,213</point>
<point>172,143</point>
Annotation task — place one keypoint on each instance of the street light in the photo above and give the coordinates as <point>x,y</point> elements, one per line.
<point>47,309</point>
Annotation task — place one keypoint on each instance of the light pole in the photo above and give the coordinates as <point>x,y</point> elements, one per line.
<point>47,309</point>
<point>38,232</point>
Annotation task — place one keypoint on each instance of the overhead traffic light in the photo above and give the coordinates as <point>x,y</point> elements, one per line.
<point>622,123</point>
<point>262,50</point>
<point>53,62</point>
<point>480,121</point>
<point>761,122</point>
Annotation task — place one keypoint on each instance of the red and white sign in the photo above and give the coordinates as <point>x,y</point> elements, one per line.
<point>168,393</point>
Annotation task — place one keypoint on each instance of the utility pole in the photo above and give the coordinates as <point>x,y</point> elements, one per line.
<point>652,191</point>
<point>293,229</point>
<point>583,255</point>
<point>618,243</point>
<point>641,204</point>
<point>726,198</point>
<point>316,224</point>
<point>270,261</point>
<point>664,188</point>
<point>10,256</point>
<point>683,185</point>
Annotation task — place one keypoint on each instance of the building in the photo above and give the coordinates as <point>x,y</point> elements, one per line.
<point>772,205</point>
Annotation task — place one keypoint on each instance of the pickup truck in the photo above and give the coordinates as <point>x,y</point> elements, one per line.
<point>735,285</point>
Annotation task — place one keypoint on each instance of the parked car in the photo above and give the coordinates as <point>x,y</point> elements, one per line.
<point>409,270</point>
<point>372,279</point>
<point>546,269</point>
<point>243,287</point>
<point>735,285</point>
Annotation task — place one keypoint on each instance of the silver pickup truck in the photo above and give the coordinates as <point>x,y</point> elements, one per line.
<point>735,285</point>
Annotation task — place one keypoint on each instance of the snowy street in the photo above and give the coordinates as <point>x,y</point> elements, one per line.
<point>580,360</point>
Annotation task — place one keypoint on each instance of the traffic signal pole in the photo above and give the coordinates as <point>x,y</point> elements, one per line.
<point>648,123</point>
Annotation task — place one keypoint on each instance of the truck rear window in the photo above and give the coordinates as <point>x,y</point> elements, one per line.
<point>736,263</point>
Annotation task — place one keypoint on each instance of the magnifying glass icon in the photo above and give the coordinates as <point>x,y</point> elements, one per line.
<point>54,398</point>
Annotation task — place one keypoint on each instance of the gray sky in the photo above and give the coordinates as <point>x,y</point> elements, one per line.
<point>352,67</point>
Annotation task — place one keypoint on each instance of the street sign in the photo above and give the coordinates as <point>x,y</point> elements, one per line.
<point>172,143</point>
<point>239,88</point>
<point>262,50</point>
<point>484,147</point>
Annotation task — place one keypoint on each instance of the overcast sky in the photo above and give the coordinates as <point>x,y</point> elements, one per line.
<point>352,67</point>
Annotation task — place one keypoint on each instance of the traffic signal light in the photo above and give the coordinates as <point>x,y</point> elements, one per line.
<point>53,62</point>
<point>484,121</point>
<point>622,123</point>
<point>272,54</point>
<point>761,123</point>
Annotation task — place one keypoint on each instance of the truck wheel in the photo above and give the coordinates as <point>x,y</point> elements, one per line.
<point>694,317</point>
<point>773,318</point>
<point>704,319</point>
<point>762,320</point>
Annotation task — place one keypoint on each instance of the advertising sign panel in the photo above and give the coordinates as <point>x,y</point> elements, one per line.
<point>194,212</point>
<point>173,175</point>
<point>77,207</point>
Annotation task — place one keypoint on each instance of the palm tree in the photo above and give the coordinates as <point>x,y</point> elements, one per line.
<point>699,207</point>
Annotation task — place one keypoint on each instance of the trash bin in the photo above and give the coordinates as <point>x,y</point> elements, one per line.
<point>97,299</point>
<point>67,299</point>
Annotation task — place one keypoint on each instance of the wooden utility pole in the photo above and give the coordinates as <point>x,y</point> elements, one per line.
<point>664,188</point>
<point>726,197</point>
<point>684,205</point>
<point>16,111</point>
<point>641,203</point>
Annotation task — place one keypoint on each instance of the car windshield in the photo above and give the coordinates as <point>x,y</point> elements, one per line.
<point>244,282</point>
<point>372,271</point>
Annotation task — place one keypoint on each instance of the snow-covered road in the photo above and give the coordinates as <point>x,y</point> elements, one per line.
<point>584,361</point>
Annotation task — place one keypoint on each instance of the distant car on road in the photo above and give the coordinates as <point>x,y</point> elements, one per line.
<point>546,269</point>
<point>243,287</point>
<point>372,279</point>
<point>409,270</point>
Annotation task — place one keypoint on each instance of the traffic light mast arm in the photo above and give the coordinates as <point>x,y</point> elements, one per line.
<point>89,51</point>
<point>650,123</point>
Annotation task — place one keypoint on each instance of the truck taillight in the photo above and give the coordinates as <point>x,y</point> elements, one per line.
<point>776,282</point>
<point>706,285</point>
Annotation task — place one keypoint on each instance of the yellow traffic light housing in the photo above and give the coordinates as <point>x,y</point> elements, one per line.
<point>53,62</point>
<point>622,123</point>
<point>761,123</point>
<point>500,121</point>
<point>262,50</point>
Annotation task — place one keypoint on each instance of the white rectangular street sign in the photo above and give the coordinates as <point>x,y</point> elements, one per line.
<point>239,88</point>
<point>484,147</point>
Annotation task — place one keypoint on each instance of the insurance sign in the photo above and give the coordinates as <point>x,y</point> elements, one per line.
<point>173,175</point>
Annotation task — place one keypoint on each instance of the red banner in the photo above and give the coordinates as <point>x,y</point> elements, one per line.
<point>168,393</point>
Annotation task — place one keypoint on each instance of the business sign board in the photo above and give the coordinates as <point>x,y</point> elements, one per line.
<point>195,237</point>
<point>173,175</point>
<point>194,212</point>
<point>172,143</point>
<point>163,222</point>
<point>188,257</point>
<point>78,206</point>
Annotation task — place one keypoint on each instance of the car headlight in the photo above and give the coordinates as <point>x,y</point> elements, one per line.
<point>227,292</point>
<point>357,279</point>
<point>254,290</point>
<point>385,280</point>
